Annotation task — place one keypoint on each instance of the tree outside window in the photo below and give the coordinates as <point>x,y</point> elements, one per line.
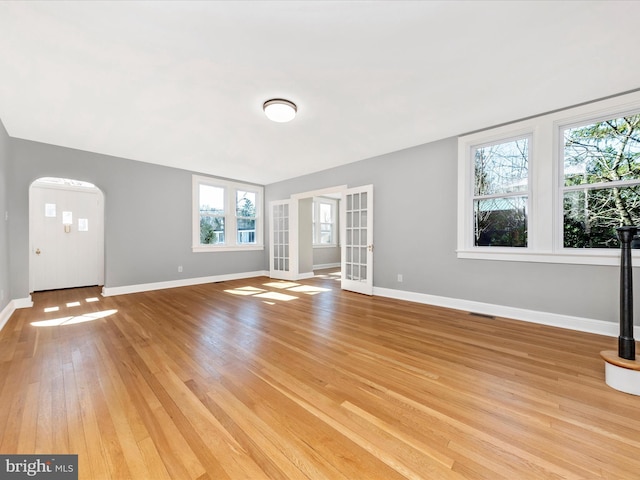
<point>601,189</point>
<point>501,194</point>
<point>226,215</point>
<point>246,216</point>
<point>212,215</point>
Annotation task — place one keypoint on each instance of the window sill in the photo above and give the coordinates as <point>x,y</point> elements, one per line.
<point>582,257</point>
<point>325,245</point>
<point>225,248</point>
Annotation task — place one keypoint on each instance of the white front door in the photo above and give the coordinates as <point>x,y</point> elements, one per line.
<point>357,246</point>
<point>66,236</point>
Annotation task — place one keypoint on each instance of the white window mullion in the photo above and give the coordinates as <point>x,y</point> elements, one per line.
<point>543,192</point>
<point>230,206</point>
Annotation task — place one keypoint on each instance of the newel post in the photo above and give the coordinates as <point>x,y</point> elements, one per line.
<point>626,343</point>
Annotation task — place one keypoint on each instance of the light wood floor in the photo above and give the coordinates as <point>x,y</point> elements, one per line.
<point>221,381</point>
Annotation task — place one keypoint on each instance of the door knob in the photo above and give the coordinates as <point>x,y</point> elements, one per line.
<point>37,251</point>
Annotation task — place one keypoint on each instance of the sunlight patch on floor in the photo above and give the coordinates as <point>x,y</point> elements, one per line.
<point>245,290</point>
<point>309,290</point>
<point>276,296</point>
<point>87,317</point>
<point>270,297</point>
<point>281,285</point>
<point>336,276</point>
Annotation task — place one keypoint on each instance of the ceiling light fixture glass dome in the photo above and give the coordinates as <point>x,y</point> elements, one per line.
<point>280,110</point>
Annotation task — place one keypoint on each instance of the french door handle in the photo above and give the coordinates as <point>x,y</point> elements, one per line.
<point>370,247</point>
<point>38,252</point>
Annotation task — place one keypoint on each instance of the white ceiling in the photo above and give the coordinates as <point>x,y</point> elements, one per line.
<point>182,83</point>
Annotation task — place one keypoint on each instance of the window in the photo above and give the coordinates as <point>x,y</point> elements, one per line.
<point>246,215</point>
<point>226,215</point>
<point>324,222</point>
<point>500,193</point>
<point>601,189</point>
<point>552,188</point>
<point>212,215</point>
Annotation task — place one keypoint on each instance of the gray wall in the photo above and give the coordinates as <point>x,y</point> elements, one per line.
<point>415,202</point>
<point>147,217</point>
<point>4,225</point>
<point>305,236</point>
<point>148,229</point>
<point>326,256</point>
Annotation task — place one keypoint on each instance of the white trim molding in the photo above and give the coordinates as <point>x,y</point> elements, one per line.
<point>322,266</point>
<point>146,287</point>
<point>11,307</point>
<point>546,186</point>
<point>588,325</point>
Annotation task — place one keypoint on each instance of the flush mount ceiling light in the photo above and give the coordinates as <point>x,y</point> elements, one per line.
<point>279,110</point>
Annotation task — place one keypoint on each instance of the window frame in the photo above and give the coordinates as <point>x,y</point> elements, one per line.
<point>546,185</point>
<point>254,217</point>
<point>222,215</point>
<point>516,193</point>
<point>317,232</point>
<point>562,188</point>
<point>230,189</point>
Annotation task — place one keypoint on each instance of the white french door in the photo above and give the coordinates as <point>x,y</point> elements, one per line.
<point>357,245</point>
<point>66,237</point>
<point>280,254</point>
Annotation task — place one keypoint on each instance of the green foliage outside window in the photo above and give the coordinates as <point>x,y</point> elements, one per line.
<point>604,159</point>
<point>211,230</point>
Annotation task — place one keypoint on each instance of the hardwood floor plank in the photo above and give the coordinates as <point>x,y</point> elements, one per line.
<point>88,394</point>
<point>73,409</point>
<point>213,382</point>
<point>28,425</point>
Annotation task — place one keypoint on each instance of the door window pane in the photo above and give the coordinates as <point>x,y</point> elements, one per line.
<point>49,209</point>
<point>67,218</point>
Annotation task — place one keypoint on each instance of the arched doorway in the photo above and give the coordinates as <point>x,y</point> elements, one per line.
<point>66,234</point>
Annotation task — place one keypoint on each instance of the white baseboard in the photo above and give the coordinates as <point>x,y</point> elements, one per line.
<point>145,287</point>
<point>589,325</point>
<point>304,276</point>
<point>326,265</point>
<point>11,307</point>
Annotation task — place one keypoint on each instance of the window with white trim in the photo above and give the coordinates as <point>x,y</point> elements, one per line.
<point>324,222</point>
<point>601,181</point>
<point>246,216</point>
<point>226,215</point>
<point>500,193</point>
<point>582,177</point>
